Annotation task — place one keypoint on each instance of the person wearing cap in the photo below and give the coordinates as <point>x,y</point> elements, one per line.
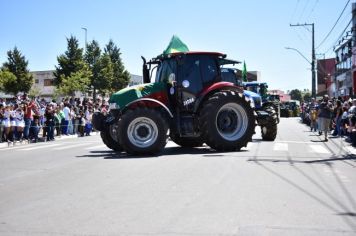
<point>325,114</point>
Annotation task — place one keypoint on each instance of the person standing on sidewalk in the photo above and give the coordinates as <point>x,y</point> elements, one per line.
<point>66,111</point>
<point>28,118</point>
<point>50,122</point>
<point>325,114</point>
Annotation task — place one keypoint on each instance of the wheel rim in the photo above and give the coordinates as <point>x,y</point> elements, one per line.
<point>231,121</point>
<point>142,132</point>
<point>113,129</point>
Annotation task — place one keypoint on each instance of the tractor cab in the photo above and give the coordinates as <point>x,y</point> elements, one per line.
<point>188,76</point>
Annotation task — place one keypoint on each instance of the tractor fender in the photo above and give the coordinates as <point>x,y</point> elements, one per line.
<point>149,100</point>
<point>213,89</point>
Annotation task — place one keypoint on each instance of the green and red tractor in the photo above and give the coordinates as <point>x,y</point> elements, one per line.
<point>188,101</point>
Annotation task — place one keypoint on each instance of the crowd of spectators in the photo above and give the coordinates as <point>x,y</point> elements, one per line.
<point>33,119</point>
<point>336,115</point>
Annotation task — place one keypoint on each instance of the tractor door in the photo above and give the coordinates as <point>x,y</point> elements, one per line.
<point>194,72</point>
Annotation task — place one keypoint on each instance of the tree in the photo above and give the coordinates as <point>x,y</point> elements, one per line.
<point>72,73</point>
<point>307,96</point>
<point>77,81</point>
<point>121,76</point>
<point>296,94</point>
<point>69,62</point>
<point>17,65</point>
<point>7,80</point>
<point>100,66</point>
<point>105,74</point>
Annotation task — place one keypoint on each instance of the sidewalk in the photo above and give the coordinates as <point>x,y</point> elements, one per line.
<point>42,140</point>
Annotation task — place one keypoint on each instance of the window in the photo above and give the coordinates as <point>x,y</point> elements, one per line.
<point>165,69</point>
<point>189,70</point>
<point>208,68</point>
<point>36,81</point>
<point>48,82</point>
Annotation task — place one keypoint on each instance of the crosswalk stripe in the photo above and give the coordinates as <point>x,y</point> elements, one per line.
<point>39,147</point>
<point>96,147</point>
<point>70,146</point>
<point>351,150</point>
<point>319,149</point>
<point>280,147</point>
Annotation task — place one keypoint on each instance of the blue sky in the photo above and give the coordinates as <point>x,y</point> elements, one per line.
<point>254,31</point>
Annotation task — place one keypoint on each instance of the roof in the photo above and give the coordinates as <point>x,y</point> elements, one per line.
<point>217,54</point>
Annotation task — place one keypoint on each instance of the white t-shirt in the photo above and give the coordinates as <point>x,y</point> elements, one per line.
<point>66,112</point>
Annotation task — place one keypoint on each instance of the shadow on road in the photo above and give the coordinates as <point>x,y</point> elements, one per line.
<point>344,209</point>
<point>347,157</point>
<point>204,151</point>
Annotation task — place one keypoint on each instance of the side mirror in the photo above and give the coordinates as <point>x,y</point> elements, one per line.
<point>145,72</point>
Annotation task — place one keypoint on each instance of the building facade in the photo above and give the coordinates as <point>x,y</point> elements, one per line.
<point>44,83</point>
<point>345,71</point>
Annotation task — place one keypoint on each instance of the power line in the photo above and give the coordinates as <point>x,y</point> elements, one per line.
<point>334,24</point>
<point>313,8</point>
<point>342,33</point>
<point>295,9</point>
<point>305,6</point>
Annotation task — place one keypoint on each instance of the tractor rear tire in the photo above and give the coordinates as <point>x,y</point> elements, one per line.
<point>269,132</point>
<point>186,142</point>
<point>110,138</point>
<point>227,121</point>
<point>143,131</point>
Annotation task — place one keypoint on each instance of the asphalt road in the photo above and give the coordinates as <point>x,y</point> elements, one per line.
<point>296,185</point>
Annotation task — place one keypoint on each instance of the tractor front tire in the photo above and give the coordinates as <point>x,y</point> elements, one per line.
<point>143,131</point>
<point>227,121</point>
<point>110,138</point>
<point>269,131</point>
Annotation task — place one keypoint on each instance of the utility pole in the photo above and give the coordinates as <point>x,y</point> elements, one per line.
<point>313,57</point>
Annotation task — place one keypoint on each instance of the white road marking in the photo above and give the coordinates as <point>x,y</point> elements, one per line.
<point>250,145</point>
<point>280,147</point>
<point>319,149</point>
<point>96,147</point>
<point>351,149</point>
<point>300,142</point>
<point>70,146</point>
<point>171,144</point>
<point>39,147</point>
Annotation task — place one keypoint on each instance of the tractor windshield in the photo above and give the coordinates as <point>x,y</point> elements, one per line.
<point>253,88</point>
<point>165,70</point>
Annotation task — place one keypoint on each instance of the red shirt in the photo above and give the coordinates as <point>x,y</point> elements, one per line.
<point>28,111</point>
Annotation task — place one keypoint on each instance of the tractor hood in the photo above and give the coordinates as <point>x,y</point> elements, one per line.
<point>123,97</point>
<point>255,97</point>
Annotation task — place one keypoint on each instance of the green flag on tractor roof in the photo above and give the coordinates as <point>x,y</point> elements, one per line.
<point>176,45</point>
<point>244,73</point>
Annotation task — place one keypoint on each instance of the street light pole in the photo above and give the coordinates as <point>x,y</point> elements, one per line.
<point>294,49</point>
<point>86,31</point>
<point>313,57</point>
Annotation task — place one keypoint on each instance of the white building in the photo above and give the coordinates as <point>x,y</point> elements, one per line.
<point>44,82</point>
